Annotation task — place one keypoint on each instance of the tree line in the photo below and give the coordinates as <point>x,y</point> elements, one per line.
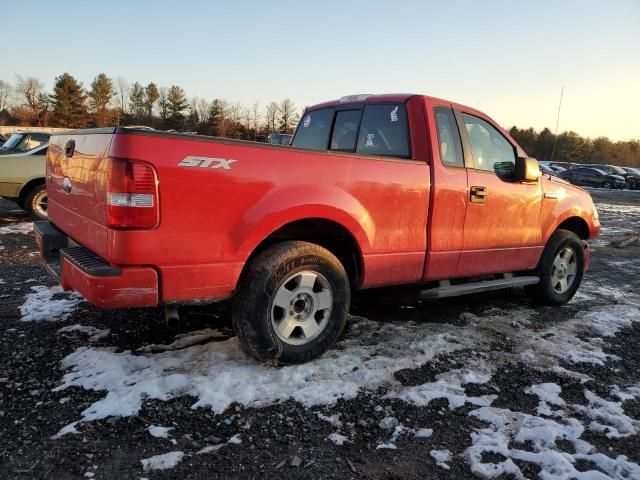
<point>571,147</point>
<point>107,102</point>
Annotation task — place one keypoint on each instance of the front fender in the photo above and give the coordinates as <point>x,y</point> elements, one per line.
<point>563,202</point>
<point>285,205</point>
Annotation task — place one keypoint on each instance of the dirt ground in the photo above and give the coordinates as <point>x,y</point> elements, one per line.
<point>487,385</point>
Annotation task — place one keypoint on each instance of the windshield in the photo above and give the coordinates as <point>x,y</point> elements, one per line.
<point>23,142</point>
<point>12,141</point>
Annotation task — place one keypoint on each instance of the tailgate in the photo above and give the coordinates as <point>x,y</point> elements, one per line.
<point>77,165</point>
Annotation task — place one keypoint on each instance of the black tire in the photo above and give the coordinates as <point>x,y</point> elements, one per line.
<point>608,185</point>
<point>253,305</point>
<point>544,291</point>
<point>36,203</point>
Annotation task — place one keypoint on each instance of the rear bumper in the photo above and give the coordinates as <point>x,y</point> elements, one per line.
<point>102,284</point>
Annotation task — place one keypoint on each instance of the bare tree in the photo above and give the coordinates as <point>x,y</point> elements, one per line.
<point>202,107</point>
<point>123,91</point>
<point>233,117</point>
<point>271,117</point>
<point>255,119</point>
<point>31,96</point>
<point>5,94</point>
<point>163,103</point>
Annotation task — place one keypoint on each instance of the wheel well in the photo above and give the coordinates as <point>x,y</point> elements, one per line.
<point>326,233</point>
<point>28,187</point>
<point>576,225</point>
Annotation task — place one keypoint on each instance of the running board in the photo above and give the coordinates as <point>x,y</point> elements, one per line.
<point>447,290</point>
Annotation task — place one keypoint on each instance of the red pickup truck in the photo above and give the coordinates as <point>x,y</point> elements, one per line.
<point>373,191</point>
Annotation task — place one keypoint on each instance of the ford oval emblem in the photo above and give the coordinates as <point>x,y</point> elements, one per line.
<point>66,184</point>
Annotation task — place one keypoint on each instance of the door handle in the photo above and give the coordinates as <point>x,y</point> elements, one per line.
<point>70,148</point>
<point>478,194</point>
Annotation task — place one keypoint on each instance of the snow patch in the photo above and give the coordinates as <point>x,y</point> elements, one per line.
<point>159,432</point>
<point>334,420</point>
<point>423,433</point>
<point>607,417</point>
<point>162,462</point>
<point>337,439</point>
<point>41,306</point>
<point>549,394</point>
<point>511,432</point>
<point>450,386</point>
<point>218,373</point>
<point>21,227</point>
<point>93,334</point>
<point>441,457</point>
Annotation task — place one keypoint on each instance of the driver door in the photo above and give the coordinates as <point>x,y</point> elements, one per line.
<point>501,228</point>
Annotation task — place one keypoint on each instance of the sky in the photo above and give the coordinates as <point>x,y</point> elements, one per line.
<point>508,59</point>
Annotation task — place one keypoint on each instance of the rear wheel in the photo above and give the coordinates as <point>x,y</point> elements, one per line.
<point>292,303</point>
<point>560,269</point>
<point>36,203</point>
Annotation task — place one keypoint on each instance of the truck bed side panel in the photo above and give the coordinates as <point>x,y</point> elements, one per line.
<point>211,219</point>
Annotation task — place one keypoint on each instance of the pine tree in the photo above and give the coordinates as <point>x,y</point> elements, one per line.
<point>68,99</point>
<point>177,106</point>
<point>137,102</point>
<point>214,118</point>
<point>288,115</point>
<point>151,96</point>
<point>99,97</point>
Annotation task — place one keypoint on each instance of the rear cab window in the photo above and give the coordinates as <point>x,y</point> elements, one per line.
<point>379,129</point>
<point>449,138</point>
<point>313,131</point>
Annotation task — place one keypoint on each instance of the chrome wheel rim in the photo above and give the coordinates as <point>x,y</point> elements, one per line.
<point>301,307</point>
<point>41,204</point>
<point>564,270</point>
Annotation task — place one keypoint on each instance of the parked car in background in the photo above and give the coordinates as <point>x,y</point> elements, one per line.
<point>635,173</point>
<point>374,191</point>
<point>546,169</point>
<point>592,177</point>
<point>22,180</point>
<point>564,165</point>
<point>614,170</point>
<point>22,142</point>
<point>279,138</point>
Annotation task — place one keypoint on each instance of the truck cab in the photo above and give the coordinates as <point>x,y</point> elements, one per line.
<point>374,190</point>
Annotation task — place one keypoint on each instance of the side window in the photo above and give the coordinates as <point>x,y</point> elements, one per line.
<point>449,138</point>
<point>384,131</point>
<point>345,130</point>
<point>489,149</point>
<point>313,131</point>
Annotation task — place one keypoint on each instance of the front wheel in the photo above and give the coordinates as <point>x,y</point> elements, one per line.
<point>560,269</point>
<point>292,303</point>
<point>36,203</point>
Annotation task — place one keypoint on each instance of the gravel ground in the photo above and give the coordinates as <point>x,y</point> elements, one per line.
<point>500,387</point>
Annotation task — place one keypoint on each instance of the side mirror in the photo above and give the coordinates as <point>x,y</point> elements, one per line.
<point>527,170</point>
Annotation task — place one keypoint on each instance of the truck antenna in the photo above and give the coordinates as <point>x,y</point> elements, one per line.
<point>555,140</point>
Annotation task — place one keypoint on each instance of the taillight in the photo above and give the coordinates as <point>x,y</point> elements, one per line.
<point>132,195</point>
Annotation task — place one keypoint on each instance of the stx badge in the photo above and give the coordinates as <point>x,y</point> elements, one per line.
<point>206,162</point>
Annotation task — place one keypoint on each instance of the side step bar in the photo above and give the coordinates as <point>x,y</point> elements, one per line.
<point>447,290</point>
